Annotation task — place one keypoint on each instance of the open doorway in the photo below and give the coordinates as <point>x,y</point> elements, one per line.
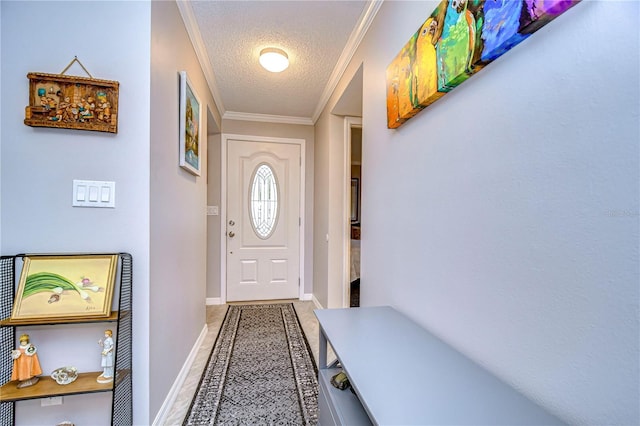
<point>349,106</point>
<point>356,212</point>
<point>352,287</point>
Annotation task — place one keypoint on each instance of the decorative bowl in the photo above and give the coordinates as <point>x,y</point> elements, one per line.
<point>64,375</point>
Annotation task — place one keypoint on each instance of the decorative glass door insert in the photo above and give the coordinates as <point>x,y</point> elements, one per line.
<point>263,206</point>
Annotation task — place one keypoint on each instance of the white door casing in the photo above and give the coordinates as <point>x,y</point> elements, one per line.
<point>262,264</point>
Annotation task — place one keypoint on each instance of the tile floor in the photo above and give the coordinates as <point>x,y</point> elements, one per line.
<point>215,316</point>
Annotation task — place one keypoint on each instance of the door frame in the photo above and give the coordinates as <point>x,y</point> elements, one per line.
<point>349,123</point>
<point>223,204</point>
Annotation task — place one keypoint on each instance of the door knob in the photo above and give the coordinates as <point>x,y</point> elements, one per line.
<point>231,234</point>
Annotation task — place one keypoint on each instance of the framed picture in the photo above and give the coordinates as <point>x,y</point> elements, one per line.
<point>355,200</point>
<point>190,126</point>
<point>70,102</point>
<point>65,287</point>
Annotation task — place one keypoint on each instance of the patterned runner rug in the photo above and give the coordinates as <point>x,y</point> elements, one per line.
<point>260,371</point>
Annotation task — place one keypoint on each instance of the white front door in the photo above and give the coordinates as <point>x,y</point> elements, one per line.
<point>263,220</point>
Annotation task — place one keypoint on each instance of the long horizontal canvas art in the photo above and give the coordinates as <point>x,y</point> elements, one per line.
<point>455,42</point>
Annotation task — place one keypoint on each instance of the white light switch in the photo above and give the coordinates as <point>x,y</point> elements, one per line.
<point>212,210</point>
<point>93,193</point>
<point>104,194</point>
<point>90,193</point>
<point>81,193</point>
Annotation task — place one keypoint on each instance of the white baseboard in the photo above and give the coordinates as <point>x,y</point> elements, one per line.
<point>307,296</point>
<point>177,384</point>
<point>316,302</point>
<point>213,301</point>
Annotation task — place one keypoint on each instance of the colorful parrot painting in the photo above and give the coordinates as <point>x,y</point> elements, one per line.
<point>401,85</point>
<point>458,39</point>
<point>456,47</point>
<point>425,70</point>
<point>405,83</point>
<point>541,12</point>
<point>500,29</point>
<point>393,111</point>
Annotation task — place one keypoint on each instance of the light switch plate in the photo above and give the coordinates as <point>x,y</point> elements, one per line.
<point>94,193</point>
<point>212,210</point>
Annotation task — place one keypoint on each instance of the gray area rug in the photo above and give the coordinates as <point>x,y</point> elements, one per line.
<point>260,371</point>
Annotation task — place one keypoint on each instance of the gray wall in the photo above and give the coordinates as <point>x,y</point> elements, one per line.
<point>504,217</point>
<point>296,131</point>
<point>39,165</point>
<point>178,249</point>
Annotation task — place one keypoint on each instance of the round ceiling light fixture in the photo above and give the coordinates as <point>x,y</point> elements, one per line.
<point>274,59</point>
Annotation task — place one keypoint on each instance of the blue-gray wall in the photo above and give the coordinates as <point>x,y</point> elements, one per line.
<point>39,165</point>
<point>504,217</point>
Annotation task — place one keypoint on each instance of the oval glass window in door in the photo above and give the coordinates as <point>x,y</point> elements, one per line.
<point>263,201</point>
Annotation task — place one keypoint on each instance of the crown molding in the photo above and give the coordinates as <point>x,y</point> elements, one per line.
<point>266,118</point>
<point>191,24</point>
<point>366,19</point>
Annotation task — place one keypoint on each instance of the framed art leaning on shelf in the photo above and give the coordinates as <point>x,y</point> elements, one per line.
<point>65,286</point>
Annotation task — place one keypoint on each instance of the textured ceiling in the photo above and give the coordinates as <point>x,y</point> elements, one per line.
<point>317,36</point>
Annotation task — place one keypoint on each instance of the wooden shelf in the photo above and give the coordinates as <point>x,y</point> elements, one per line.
<point>47,387</point>
<point>8,322</point>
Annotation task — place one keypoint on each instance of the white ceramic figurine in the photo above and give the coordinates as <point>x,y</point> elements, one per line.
<point>107,357</point>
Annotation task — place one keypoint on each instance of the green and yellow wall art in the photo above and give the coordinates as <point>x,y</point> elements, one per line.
<point>65,287</point>
<point>459,38</point>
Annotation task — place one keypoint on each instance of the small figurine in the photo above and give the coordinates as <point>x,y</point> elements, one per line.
<point>106,110</point>
<point>75,111</point>
<point>57,117</point>
<point>100,111</point>
<point>90,106</point>
<point>26,365</point>
<point>107,357</point>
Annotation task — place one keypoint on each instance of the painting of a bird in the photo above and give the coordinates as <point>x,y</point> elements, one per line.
<point>456,47</point>
<point>425,66</point>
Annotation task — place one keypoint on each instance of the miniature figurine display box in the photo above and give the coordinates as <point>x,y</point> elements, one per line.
<point>71,102</point>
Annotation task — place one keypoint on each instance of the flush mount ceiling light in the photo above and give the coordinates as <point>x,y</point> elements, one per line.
<point>274,59</point>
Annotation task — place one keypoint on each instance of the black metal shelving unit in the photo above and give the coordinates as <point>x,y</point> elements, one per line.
<point>122,386</point>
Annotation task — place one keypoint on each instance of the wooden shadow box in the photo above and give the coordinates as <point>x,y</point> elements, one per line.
<point>71,102</point>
